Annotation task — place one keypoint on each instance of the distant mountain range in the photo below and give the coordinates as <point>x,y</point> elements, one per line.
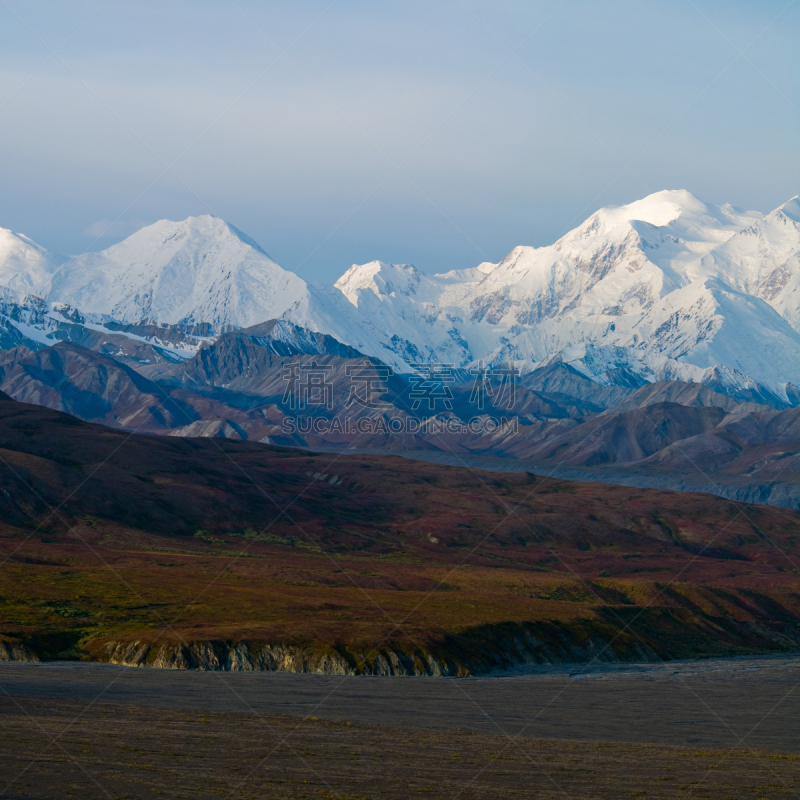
<point>666,288</point>
<point>656,339</point>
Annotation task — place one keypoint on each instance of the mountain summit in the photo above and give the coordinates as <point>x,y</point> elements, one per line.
<point>665,277</point>
<point>198,270</point>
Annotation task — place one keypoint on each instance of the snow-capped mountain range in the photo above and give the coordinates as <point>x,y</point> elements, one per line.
<point>664,288</point>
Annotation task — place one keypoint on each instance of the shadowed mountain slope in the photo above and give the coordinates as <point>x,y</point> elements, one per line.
<point>627,436</point>
<point>558,378</point>
<point>91,386</point>
<point>682,393</point>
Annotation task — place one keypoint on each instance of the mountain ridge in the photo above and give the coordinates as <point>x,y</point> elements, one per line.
<point>675,286</point>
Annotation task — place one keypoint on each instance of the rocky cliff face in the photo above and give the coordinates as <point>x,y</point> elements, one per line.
<point>677,633</point>
<point>261,657</point>
<point>14,651</point>
<point>502,653</point>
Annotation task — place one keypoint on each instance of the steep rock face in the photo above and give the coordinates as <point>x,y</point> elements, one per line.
<point>663,634</point>
<point>14,651</point>
<point>261,657</point>
<point>481,651</point>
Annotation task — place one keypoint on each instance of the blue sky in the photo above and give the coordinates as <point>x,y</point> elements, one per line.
<point>437,133</point>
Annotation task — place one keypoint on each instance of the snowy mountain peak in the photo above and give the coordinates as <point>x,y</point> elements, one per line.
<point>658,209</point>
<point>201,269</point>
<point>678,212</point>
<point>764,260</point>
<point>24,265</point>
<point>791,209</point>
<point>380,278</point>
<point>642,278</point>
<point>167,236</point>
